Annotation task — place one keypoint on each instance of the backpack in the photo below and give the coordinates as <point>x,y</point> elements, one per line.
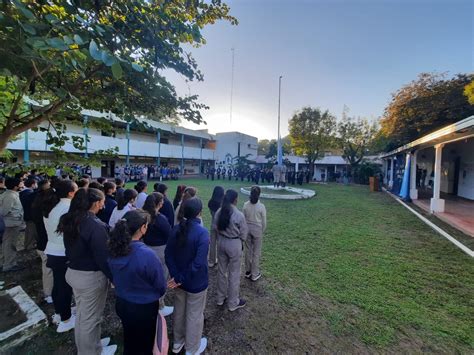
<point>161,345</point>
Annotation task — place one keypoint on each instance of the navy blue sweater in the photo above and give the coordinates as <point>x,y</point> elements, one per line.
<point>188,264</point>
<point>138,277</point>
<point>89,252</point>
<point>158,231</point>
<point>106,212</point>
<point>168,211</point>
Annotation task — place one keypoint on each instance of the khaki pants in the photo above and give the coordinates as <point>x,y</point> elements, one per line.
<point>47,274</point>
<point>160,254</point>
<point>213,248</point>
<point>253,250</point>
<point>10,237</point>
<point>188,318</point>
<point>30,235</point>
<point>229,253</point>
<point>90,293</point>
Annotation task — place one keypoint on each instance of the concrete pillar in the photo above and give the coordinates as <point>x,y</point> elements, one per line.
<point>413,187</point>
<point>200,155</point>
<point>158,138</point>
<point>86,136</point>
<point>128,144</point>
<point>392,166</point>
<point>26,152</point>
<point>437,204</point>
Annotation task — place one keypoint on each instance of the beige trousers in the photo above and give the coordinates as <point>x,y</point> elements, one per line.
<point>10,237</point>
<point>229,253</point>
<point>188,318</point>
<point>160,254</point>
<point>253,250</point>
<point>47,275</point>
<point>90,293</point>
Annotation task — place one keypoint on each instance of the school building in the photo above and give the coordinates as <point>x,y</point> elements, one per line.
<point>159,144</point>
<point>441,173</point>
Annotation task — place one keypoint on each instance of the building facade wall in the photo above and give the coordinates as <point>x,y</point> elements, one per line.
<point>232,144</point>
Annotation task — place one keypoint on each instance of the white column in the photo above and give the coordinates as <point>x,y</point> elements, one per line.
<point>437,204</point>
<point>297,165</point>
<point>390,181</point>
<point>413,188</point>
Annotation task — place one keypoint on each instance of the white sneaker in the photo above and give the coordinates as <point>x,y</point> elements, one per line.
<point>177,348</point>
<point>201,349</point>
<point>56,319</point>
<point>109,350</point>
<point>66,326</point>
<point>104,342</point>
<point>166,311</point>
<point>49,300</point>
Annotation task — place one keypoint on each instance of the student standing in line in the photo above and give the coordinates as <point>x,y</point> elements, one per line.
<point>141,187</point>
<point>157,236</point>
<point>187,194</point>
<point>119,189</point>
<point>12,212</point>
<point>256,218</point>
<point>42,237</point>
<point>186,257</point>
<point>231,229</point>
<point>57,205</point>
<point>27,195</point>
<point>167,210</point>
<point>125,204</point>
<point>179,194</point>
<point>110,203</point>
<point>86,238</point>
<point>214,204</point>
<point>139,282</point>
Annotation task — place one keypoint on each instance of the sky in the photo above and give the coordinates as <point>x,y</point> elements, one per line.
<point>330,53</point>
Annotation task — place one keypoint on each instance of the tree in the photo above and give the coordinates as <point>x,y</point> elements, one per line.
<point>67,55</point>
<point>269,148</point>
<point>354,138</point>
<point>311,133</point>
<point>469,92</point>
<point>263,147</point>
<point>424,105</point>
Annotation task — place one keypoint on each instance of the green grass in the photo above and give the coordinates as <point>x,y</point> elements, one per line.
<point>382,274</point>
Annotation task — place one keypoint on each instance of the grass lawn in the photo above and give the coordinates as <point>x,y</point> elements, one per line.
<point>365,265</point>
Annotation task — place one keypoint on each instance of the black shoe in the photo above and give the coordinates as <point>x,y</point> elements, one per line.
<point>248,274</point>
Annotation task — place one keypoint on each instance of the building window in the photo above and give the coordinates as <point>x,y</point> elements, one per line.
<point>248,145</point>
<point>164,140</point>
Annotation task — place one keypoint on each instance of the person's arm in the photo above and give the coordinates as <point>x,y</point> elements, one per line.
<point>200,260</point>
<point>98,244</point>
<point>243,227</point>
<point>170,252</point>
<point>264,218</point>
<point>154,273</point>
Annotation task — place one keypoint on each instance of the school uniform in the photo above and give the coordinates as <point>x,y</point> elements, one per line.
<point>109,206</point>
<point>229,253</point>
<point>156,237</point>
<point>12,212</point>
<point>57,261</point>
<point>256,218</point>
<point>139,284</point>
<point>168,211</point>
<point>188,266</point>
<point>141,199</point>
<point>87,274</point>
<point>118,214</point>
<point>26,197</point>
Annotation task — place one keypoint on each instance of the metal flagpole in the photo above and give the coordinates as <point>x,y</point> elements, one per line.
<point>279,150</point>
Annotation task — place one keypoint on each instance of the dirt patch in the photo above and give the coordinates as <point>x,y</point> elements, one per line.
<point>11,314</point>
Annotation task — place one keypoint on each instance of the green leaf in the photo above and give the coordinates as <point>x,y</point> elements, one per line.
<point>51,18</point>
<point>57,43</point>
<point>117,70</point>
<point>68,40</point>
<point>108,59</point>
<point>137,67</point>
<point>94,51</point>
<point>28,28</point>
<point>78,40</point>
<point>28,14</point>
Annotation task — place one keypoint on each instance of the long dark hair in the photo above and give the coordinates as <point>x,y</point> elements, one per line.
<point>140,186</point>
<point>216,199</point>
<point>151,203</point>
<point>188,193</point>
<point>254,194</point>
<point>69,223</point>
<point>226,210</point>
<point>121,235</point>
<point>179,194</point>
<point>191,209</point>
<point>127,196</point>
<point>52,197</point>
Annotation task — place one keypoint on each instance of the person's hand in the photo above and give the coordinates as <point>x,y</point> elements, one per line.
<point>173,284</point>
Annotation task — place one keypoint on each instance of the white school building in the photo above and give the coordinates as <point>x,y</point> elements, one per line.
<point>160,144</point>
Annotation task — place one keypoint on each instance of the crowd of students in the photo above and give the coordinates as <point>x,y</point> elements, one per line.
<point>94,235</point>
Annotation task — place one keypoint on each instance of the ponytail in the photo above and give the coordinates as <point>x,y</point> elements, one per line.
<point>191,209</point>
<point>226,210</point>
<point>125,228</point>
<point>127,196</point>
